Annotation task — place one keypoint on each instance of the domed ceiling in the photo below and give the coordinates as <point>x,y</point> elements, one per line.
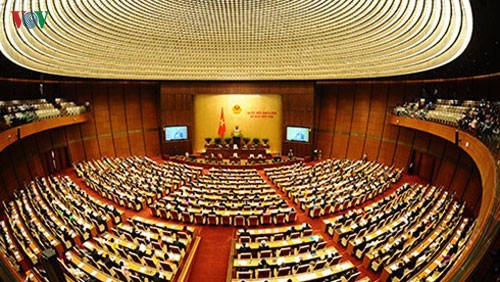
<point>234,39</point>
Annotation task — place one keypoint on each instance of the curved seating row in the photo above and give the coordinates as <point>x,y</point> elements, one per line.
<point>134,182</point>
<point>283,253</point>
<point>333,185</point>
<point>226,197</point>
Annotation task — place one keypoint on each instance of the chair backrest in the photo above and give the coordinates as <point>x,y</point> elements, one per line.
<point>278,237</point>
<point>285,251</point>
<point>122,252</point>
<point>321,245</point>
<point>353,277</point>
<point>245,239</point>
<point>120,274</point>
<point>335,260</point>
<point>198,218</point>
<point>304,249</point>
<point>239,220</point>
<point>280,218</point>
<point>129,237</point>
<point>328,209</point>
<point>212,219</point>
<point>266,254</point>
<point>253,221</point>
<point>153,210</point>
<point>149,261</point>
<point>135,257</point>
<point>320,264</point>
<point>166,266</point>
<point>174,214</point>
<point>292,216</point>
<point>156,245</point>
<point>226,219</point>
<point>186,217</point>
<point>302,268</point>
<point>316,212</point>
<point>263,273</point>
<point>261,238</point>
<point>135,278</point>
<point>175,249</point>
<point>266,219</point>
<point>245,255</point>
<point>244,274</point>
<point>307,232</point>
<point>284,271</point>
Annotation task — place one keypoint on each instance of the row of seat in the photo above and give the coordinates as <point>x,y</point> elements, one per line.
<point>18,112</point>
<point>425,248</point>
<point>9,248</point>
<point>291,253</point>
<point>134,251</point>
<point>401,234</point>
<point>226,197</point>
<point>333,185</point>
<point>134,182</point>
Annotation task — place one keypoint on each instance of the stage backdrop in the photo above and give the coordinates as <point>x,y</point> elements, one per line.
<point>257,116</point>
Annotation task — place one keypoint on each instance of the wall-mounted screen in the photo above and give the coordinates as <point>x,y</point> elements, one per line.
<point>176,133</point>
<point>299,134</point>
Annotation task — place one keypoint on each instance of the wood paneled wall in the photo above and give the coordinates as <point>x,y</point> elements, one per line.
<point>351,120</point>
<point>177,106</point>
<point>348,120</point>
<point>124,121</point>
<point>125,118</point>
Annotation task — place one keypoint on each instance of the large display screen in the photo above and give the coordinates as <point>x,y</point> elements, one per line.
<point>176,133</point>
<point>299,134</point>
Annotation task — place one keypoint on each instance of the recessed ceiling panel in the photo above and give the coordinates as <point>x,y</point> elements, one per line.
<point>234,39</point>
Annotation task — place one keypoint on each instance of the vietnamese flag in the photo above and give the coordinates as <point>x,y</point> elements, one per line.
<point>222,123</point>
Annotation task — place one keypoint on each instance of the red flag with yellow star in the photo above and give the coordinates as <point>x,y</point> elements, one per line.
<point>222,123</point>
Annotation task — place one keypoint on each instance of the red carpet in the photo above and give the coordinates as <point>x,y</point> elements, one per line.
<point>212,260</point>
<point>212,257</point>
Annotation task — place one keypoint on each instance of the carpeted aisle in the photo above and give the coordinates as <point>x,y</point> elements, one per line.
<point>212,257</point>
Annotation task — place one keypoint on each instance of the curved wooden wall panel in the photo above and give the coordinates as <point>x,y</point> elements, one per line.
<point>487,222</point>
<point>351,119</point>
<point>10,136</point>
<point>123,122</point>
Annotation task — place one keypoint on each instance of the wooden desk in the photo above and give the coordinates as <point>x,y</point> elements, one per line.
<point>90,269</point>
<point>132,246</point>
<point>243,153</point>
<point>282,243</point>
<point>387,271</point>
<point>254,262</point>
<point>424,274</point>
<point>485,230</point>
<point>137,267</point>
<point>308,276</point>
<point>151,235</point>
<point>162,225</point>
<point>273,231</point>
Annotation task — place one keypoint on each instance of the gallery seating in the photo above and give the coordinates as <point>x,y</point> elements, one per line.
<point>19,112</point>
